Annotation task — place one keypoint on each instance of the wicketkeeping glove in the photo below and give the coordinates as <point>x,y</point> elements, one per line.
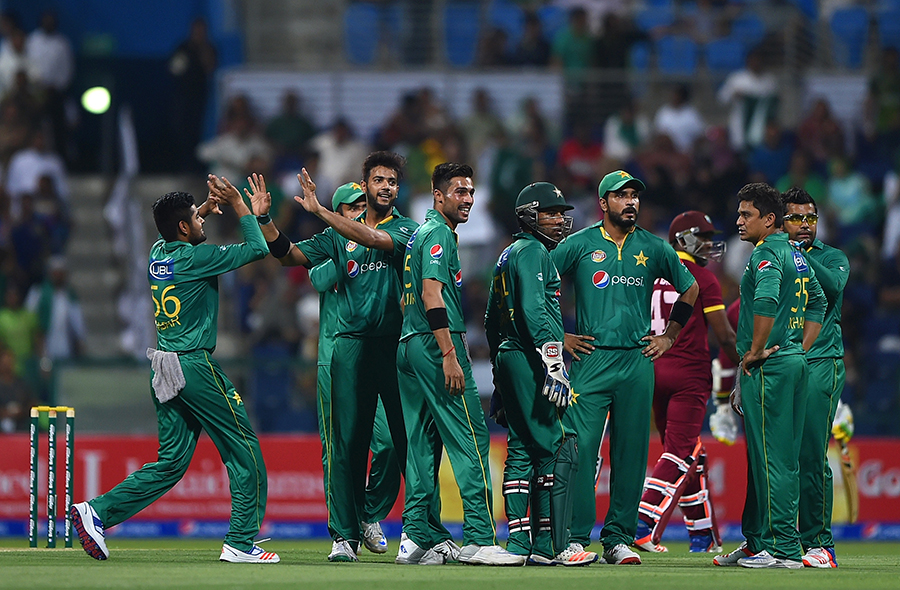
<point>842,428</point>
<point>723,424</point>
<point>556,385</point>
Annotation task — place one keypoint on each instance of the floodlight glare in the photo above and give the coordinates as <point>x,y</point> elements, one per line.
<point>95,100</point>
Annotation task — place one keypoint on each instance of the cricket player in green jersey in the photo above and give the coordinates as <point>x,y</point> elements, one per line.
<point>383,485</point>
<point>782,307</point>
<point>441,406</point>
<point>525,333</point>
<point>368,253</point>
<point>612,265</point>
<point>191,391</point>
<point>826,381</point>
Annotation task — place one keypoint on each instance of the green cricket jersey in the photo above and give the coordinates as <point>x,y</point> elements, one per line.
<point>832,271</point>
<point>184,285</point>
<point>779,283</point>
<point>614,286</point>
<point>523,310</point>
<point>369,300</point>
<point>324,279</point>
<point>432,253</point>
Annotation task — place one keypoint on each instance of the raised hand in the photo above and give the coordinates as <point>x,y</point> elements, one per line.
<point>309,200</point>
<point>260,199</point>
<point>223,190</point>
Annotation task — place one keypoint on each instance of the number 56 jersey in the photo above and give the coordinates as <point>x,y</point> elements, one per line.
<point>184,285</point>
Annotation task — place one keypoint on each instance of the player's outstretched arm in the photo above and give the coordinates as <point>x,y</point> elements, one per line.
<point>350,229</point>
<point>279,245</point>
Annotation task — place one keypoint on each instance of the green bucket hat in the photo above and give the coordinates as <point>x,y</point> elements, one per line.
<point>346,194</point>
<point>616,180</point>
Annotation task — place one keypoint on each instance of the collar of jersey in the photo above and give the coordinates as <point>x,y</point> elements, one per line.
<point>686,256</point>
<point>176,244</point>
<point>362,216</point>
<point>779,235</point>
<point>817,244</point>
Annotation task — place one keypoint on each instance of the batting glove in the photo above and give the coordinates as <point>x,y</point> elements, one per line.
<point>736,394</point>
<point>842,428</point>
<point>723,424</point>
<point>556,385</point>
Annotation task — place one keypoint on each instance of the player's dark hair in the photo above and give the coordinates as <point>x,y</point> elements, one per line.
<point>444,173</point>
<point>797,196</point>
<point>169,210</point>
<point>765,198</point>
<point>389,160</point>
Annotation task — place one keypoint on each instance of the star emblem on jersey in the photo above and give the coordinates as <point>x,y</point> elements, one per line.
<point>237,398</point>
<point>598,255</point>
<point>641,259</point>
<point>574,397</point>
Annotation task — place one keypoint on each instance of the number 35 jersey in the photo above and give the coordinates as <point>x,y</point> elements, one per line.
<point>184,285</point>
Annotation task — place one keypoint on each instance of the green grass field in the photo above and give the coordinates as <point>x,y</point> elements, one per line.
<point>193,564</point>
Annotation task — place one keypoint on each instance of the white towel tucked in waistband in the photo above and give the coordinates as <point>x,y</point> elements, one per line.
<point>168,379</point>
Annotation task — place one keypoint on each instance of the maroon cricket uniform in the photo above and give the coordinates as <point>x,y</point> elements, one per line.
<point>683,387</point>
<point>728,382</point>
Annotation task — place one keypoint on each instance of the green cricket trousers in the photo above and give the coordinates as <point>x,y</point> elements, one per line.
<point>208,402</point>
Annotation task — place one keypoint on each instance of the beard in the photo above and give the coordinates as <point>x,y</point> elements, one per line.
<point>197,238</point>
<point>372,203</point>
<point>619,221</point>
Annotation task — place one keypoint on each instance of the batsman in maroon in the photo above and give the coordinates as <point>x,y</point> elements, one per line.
<point>683,387</point>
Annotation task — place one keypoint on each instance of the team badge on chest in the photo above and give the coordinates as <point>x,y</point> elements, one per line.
<point>351,246</point>
<point>598,256</point>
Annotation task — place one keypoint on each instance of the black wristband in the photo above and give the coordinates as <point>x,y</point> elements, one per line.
<point>280,247</point>
<point>437,318</point>
<point>263,219</point>
<point>681,313</point>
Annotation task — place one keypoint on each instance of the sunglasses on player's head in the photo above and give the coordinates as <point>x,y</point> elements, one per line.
<point>797,219</point>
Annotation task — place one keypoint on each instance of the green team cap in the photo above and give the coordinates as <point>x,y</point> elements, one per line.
<point>616,180</point>
<point>546,195</point>
<point>346,194</point>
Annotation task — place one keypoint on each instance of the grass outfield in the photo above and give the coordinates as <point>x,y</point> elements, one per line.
<point>193,564</point>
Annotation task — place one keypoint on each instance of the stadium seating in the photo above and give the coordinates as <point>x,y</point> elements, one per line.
<point>725,55</point>
<point>749,28</point>
<point>889,26</point>
<point>676,54</point>
<point>850,32</point>
<point>360,37</point>
<point>505,15</point>
<point>553,19</point>
<point>653,18</point>
<point>461,32</point>
<point>639,56</point>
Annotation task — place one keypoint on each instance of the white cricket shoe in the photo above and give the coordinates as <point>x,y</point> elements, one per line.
<point>411,554</point>
<point>821,557</point>
<point>448,549</point>
<point>90,530</point>
<point>373,537</point>
<point>255,555</point>
<point>732,558</point>
<point>574,554</point>
<point>621,555</point>
<point>342,552</point>
<point>489,555</point>
<point>764,559</point>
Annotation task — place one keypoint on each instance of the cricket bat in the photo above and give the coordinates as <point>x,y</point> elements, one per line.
<point>848,474</point>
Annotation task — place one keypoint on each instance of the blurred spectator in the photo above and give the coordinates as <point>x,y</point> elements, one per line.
<point>624,133</point>
<point>800,175</point>
<point>15,131</point>
<point>492,50</point>
<point>58,312</point>
<point>679,119</point>
<point>849,202</point>
<point>29,96</point>
<point>752,93</point>
<point>579,162</point>
<point>26,168</point>
<point>667,172</point>
<point>404,127</point>
<point>891,244</point>
<point>54,213</point>
<point>192,65</point>
<point>9,22</point>
<point>14,59</point>
<point>20,332</point>
<point>533,49</point>
<point>229,153</point>
<point>613,46</point>
<point>16,397</point>
<point>290,130</point>
<point>512,171</point>
<point>769,161</point>
<point>433,116</point>
<point>884,97</point>
<point>30,239</point>
<point>820,134</point>
<point>51,51</point>
<point>482,127</point>
<point>572,53</point>
<point>340,157</point>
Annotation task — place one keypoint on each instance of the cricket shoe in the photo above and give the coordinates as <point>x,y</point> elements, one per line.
<point>574,554</point>
<point>373,537</point>
<point>255,555</point>
<point>489,555</point>
<point>704,543</point>
<point>764,559</point>
<point>411,554</point>
<point>821,557</point>
<point>642,539</point>
<point>621,555</point>
<point>732,558</point>
<point>90,530</point>
<point>342,552</point>
<point>448,549</point>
